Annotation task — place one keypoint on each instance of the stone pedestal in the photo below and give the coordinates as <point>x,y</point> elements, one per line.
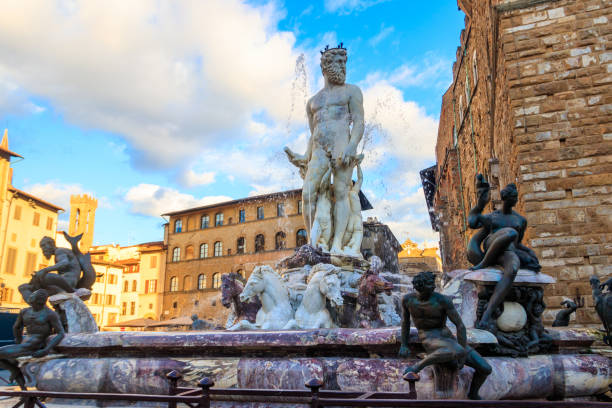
<point>471,290</point>
<point>75,315</point>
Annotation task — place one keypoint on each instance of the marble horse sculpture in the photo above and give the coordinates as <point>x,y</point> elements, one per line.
<point>603,305</point>
<point>312,313</point>
<point>276,310</point>
<point>231,288</point>
<point>500,234</point>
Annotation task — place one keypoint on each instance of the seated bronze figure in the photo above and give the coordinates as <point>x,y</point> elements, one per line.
<point>500,235</point>
<point>429,311</point>
<point>39,322</point>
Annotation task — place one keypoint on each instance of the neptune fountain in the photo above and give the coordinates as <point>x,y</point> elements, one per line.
<point>318,314</point>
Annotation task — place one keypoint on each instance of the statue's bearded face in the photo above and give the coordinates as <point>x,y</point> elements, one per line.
<point>48,249</point>
<point>333,66</point>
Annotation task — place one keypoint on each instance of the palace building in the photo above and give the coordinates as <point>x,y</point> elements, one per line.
<point>530,104</point>
<point>206,242</point>
<point>24,220</point>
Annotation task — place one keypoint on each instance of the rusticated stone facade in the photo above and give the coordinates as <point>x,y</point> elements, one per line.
<point>197,269</point>
<point>530,103</point>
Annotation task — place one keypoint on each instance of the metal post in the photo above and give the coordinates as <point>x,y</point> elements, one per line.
<point>412,378</point>
<point>205,383</point>
<point>173,378</point>
<point>314,385</point>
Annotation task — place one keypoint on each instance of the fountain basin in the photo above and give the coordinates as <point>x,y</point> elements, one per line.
<point>345,359</point>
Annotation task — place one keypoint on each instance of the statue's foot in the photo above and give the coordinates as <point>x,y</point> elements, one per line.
<point>410,369</point>
<point>477,266</point>
<point>336,251</point>
<point>487,325</point>
<point>474,396</point>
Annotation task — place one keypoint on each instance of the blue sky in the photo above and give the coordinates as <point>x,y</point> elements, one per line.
<point>158,106</point>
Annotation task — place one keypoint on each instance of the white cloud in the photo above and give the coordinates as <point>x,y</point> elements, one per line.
<point>432,71</point>
<point>349,6</point>
<point>154,200</point>
<point>407,217</point>
<point>56,193</point>
<point>170,77</point>
<point>401,128</point>
<point>192,179</point>
<point>384,33</point>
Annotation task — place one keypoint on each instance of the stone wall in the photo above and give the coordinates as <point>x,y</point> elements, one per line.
<point>541,118</point>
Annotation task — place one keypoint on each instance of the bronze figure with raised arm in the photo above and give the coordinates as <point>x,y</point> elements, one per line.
<point>500,234</point>
<point>429,310</point>
<point>67,276</point>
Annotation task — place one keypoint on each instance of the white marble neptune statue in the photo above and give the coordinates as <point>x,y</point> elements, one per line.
<point>336,120</point>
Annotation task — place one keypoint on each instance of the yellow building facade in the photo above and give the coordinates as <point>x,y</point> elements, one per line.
<point>137,290</point>
<point>24,221</point>
<point>414,259</point>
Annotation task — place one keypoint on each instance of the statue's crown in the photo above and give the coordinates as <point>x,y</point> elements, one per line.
<point>339,47</point>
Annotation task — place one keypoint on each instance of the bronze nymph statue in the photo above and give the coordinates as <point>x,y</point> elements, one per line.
<point>500,234</point>
<point>429,311</point>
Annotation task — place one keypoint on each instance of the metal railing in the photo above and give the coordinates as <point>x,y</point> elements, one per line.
<point>314,397</point>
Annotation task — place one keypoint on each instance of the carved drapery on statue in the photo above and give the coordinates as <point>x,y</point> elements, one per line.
<point>331,200</point>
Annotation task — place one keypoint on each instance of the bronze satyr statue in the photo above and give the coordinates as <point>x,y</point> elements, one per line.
<point>500,234</point>
<point>563,317</point>
<point>39,322</point>
<point>68,265</point>
<point>603,305</point>
<point>429,311</point>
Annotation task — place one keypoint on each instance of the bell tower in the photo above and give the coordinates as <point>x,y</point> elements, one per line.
<point>82,219</point>
<point>6,172</point>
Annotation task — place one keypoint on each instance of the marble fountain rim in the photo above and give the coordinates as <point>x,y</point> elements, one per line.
<point>340,341</point>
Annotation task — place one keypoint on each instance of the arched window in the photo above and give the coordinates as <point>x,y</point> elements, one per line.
<point>203,251</point>
<point>240,245</point>
<point>218,219</point>
<point>78,215</point>
<point>189,252</point>
<point>260,243</point>
<point>279,240</point>
<point>301,238</point>
<point>218,248</point>
<point>176,254</point>
<point>187,282</point>
<point>178,225</point>
<point>126,286</point>
<point>201,281</point>
<point>204,221</point>
<point>174,284</point>
<point>216,280</point>
<point>134,286</point>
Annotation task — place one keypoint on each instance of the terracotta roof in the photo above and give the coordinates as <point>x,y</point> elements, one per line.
<point>34,198</point>
<point>4,146</point>
<point>240,200</point>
